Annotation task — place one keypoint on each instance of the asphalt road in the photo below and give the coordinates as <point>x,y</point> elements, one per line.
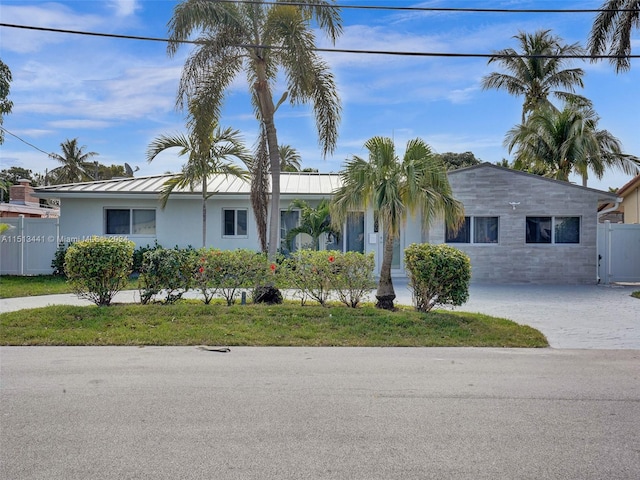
<point>73,413</point>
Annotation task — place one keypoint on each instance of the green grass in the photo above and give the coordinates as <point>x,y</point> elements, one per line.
<point>191,323</point>
<point>12,286</point>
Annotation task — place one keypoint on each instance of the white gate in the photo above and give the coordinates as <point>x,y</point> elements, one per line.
<point>618,252</point>
<point>28,247</point>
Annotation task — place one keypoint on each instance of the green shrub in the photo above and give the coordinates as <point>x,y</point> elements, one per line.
<point>438,275</point>
<point>138,255</point>
<point>99,268</point>
<point>353,277</point>
<point>208,272</point>
<point>168,271</point>
<point>238,270</point>
<point>58,259</point>
<point>311,273</point>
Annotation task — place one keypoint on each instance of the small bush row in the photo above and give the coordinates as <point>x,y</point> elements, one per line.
<point>315,274</point>
<point>100,267</point>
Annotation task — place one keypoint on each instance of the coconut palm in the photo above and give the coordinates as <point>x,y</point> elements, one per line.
<point>395,188</point>
<point>611,31</point>
<point>557,143</point>
<point>75,165</point>
<point>537,71</point>
<point>208,155</point>
<point>260,38</point>
<point>289,159</point>
<point>313,221</point>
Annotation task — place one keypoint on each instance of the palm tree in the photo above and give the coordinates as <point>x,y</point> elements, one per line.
<point>289,159</point>
<point>260,38</point>
<point>259,169</point>
<point>395,189</point>
<point>5,188</point>
<point>5,104</point>
<point>537,71</point>
<point>208,155</point>
<point>75,163</point>
<point>557,143</point>
<point>611,31</point>
<point>313,221</point>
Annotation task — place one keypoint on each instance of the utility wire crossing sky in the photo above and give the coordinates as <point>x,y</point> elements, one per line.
<point>99,72</point>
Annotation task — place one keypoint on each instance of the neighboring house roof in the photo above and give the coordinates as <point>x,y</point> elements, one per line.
<point>622,192</point>
<point>602,195</point>
<point>291,184</point>
<point>297,183</point>
<point>15,209</point>
<point>629,186</point>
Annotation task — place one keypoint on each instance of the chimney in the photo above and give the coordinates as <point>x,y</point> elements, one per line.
<point>21,194</point>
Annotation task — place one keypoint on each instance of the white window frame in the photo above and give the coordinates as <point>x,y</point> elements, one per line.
<point>553,229</point>
<point>235,223</point>
<point>131,225</point>
<point>472,231</point>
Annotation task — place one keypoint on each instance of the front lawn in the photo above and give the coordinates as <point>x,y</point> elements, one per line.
<point>193,323</point>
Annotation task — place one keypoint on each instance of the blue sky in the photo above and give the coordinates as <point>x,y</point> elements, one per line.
<point>116,95</point>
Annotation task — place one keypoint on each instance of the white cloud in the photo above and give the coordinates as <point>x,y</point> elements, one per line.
<point>463,95</point>
<point>80,123</point>
<point>124,8</point>
<point>51,15</point>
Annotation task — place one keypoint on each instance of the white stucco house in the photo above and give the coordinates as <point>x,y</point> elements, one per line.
<point>519,228</point>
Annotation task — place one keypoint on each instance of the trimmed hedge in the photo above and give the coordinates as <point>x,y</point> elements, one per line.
<point>438,275</point>
<point>99,268</point>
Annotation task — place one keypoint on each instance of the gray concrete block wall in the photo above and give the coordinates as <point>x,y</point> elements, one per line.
<point>488,190</point>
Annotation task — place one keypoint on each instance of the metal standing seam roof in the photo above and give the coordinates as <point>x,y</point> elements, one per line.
<point>298,183</point>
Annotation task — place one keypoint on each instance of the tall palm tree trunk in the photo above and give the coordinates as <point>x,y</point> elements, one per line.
<point>267,111</point>
<point>386,293</point>
<point>274,157</point>
<point>204,211</point>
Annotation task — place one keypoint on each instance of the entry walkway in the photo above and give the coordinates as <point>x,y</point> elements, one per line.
<point>571,316</point>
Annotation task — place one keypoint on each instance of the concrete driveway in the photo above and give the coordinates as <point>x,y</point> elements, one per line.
<point>580,316</point>
<point>571,316</point>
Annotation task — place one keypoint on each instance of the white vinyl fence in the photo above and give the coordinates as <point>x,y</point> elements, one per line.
<point>28,247</point>
<point>618,252</point>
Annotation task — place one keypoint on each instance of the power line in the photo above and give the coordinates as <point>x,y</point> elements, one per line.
<point>24,141</point>
<point>325,50</point>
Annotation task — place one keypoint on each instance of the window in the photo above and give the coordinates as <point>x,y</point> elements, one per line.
<point>463,235</point>
<point>288,220</point>
<point>553,230</point>
<point>130,221</point>
<point>485,230</point>
<point>234,223</point>
<point>354,233</point>
<point>480,229</point>
<point>351,239</point>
